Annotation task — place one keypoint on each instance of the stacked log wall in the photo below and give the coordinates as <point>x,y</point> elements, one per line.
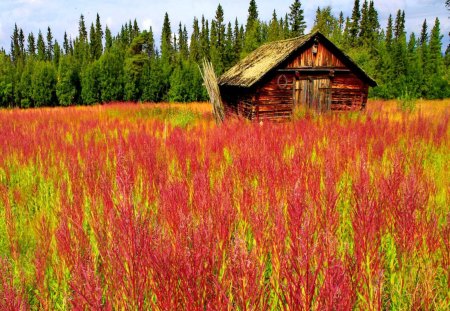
<point>274,99</point>
<point>348,92</point>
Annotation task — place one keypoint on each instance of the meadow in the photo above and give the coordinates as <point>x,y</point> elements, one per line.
<point>143,206</point>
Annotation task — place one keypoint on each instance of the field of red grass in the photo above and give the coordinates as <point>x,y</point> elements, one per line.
<point>137,207</point>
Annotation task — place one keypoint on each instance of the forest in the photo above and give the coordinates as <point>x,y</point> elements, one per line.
<point>97,66</point>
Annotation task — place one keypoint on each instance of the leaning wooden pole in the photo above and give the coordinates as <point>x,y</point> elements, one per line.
<point>212,87</point>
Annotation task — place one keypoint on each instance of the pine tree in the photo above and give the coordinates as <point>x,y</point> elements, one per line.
<point>68,82</point>
<point>82,32</point>
<point>66,44</point>
<point>238,41</point>
<point>274,28</point>
<point>229,56</point>
<point>15,47</point>
<point>252,30</point>
<point>91,84</point>
<point>365,26</point>
<point>56,54</point>
<point>98,44</point>
<point>252,15</point>
<point>108,39</point>
<point>41,49</point>
<point>204,39</point>
<point>374,25</point>
<point>389,33</point>
<point>166,40</point>
<point>194,48</point>
<point>354,25</point>
<point>296,19</point>
<point>424,33</point>
<point>435,56</point>
<point>31,49</point>
<point>49,48</point>
<point>325,22</point>
<point>22,44</point>
<point>44,84</point>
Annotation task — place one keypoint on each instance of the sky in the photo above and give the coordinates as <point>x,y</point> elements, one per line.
<point>63,15</point>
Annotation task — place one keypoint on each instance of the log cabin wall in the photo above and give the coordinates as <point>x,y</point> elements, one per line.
<point>348,92</point>
<point>274,98</point>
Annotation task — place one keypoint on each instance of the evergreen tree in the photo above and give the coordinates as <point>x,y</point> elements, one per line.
<point>66,44</point>
<point>424,33</point>
<point>31,49</point>
<point>41,50</point>
<point>82,32</point>
<point>274,28</point>
<point>26,86</point>
<point>194,48</point>
<point>354,24</point>
<point>389,33</point>
<point>56,54</point>
<point>237,41</point>
<point>152,86</point>
<point>44,84</point>
<point>15,46</point>
<point>111,75</point>
<point>204,39</point>
<point>296,19</point>
<point>374,25</point>
<point>166,41</point>
<point>97,45</point>
<point>364,32</point>
<point>229,55</point>
<point>6,80</point>
<point>49,48</point>
<point>252,30</point>
<point>108,39</point>
<point>22,44</point>
<point>325,22</point>
<point>68,82</point>
<point>91,84</point>
<point>252,15</point>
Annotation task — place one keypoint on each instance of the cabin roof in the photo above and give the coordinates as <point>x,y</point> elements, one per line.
<point>251,69</point>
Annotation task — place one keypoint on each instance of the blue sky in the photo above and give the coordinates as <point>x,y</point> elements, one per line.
<point>32,15</point>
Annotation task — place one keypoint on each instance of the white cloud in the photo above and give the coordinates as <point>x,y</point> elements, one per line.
<point>109,21</point>
<point>147,23</point>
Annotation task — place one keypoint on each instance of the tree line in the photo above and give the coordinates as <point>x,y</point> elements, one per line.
<point>98,67</point>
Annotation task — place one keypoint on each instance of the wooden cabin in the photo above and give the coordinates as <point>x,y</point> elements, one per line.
<point>310,71</point>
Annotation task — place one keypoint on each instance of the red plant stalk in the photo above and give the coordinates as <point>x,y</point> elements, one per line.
<point>367,226</point>
<point>11,298</point>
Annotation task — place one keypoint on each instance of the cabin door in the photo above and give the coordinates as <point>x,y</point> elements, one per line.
<point>313,92</point>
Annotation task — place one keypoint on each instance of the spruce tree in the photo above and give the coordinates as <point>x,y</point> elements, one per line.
<point>41,49</point>
<point>49,48</point>
<point>166,41</point>
<point>274,28</point>
<point>15,46</point>
<point>82,32</point>
<point>296,19</point>
<point>68,82</point>
<point>31,49</point>
<point>66,44</point>
<point>389,33</point>
<point>108,39</point>
<point>365,24</point>
<point>354,24</point>
<point>194,48</point>
<point>44,84</point>
<point>252,30</point>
